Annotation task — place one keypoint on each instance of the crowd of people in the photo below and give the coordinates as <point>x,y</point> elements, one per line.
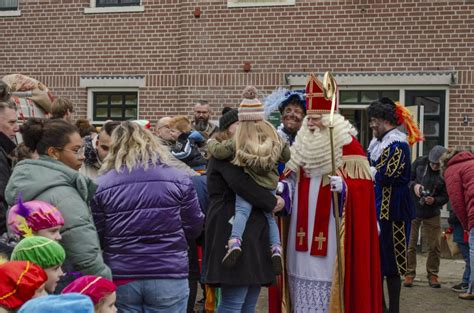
<point>125,219</point>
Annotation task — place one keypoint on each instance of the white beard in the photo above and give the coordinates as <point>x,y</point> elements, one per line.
<point>312,150</point>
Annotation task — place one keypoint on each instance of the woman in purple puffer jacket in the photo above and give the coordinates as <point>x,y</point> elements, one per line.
<point>144,210</point>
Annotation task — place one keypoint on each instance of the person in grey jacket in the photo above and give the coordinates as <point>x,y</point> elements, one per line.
<point>54,178</point>
<point>429,192</point>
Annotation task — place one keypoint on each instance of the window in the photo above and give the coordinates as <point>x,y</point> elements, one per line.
<point>366,96</point>
<point>433,103</point>
<point>114,105</point>
<point>8,5</point>
<point>116,3</point>
<point>258,3</point>
<point>114,6</point>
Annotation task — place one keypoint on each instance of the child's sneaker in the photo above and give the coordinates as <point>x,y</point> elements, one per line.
<point>233,252</point>
<point>461,287</point>
<point>276,259</point>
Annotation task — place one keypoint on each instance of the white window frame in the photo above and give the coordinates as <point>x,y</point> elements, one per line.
<point>11,13</point>
<point>99,83</point>
<point>258,3</point>
<point>93,9</point>
<point>90,100</point>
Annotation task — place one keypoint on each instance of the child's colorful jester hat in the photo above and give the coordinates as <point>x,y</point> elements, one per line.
<point>24,219</point>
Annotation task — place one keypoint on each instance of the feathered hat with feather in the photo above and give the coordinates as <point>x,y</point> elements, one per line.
<point>281,97</point>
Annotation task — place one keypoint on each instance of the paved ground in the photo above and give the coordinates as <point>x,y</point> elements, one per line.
<point>421,298</point>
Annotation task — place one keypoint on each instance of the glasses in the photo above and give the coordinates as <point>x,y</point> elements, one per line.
<point>80,152</point>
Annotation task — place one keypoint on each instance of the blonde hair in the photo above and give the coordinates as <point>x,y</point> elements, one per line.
<point>133,146</point>
<point>181,123</point>
<point>257,145</point>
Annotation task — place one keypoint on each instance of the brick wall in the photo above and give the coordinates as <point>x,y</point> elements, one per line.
<point>185,58</point>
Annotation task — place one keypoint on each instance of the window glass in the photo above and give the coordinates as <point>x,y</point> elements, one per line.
<point>112,3</point>
<point>8,5</point>
<point>115,105</point>
<point>349,96</point>
<point>131,113</point>
<point>393,95</point>
<point>431,104</point>
<point>131,99</point>
<point>369,96</point>
<point>101,112</point>
<point>116,99</point>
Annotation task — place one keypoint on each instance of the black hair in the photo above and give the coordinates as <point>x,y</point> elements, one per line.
<point>41,134</point>
<point>294,99</point>
<point>385,109</point>
<point>225,110</point>
<point>109,127</point>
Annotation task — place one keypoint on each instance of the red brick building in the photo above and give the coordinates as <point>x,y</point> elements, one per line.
<point>123,58</point>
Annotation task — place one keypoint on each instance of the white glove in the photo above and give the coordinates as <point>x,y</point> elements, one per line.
<point>373,171</point>
<point>280,188</point>
<point>336,183</point>
<point>378,228</point>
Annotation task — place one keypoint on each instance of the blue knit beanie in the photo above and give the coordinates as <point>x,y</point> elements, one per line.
<point>66,303</point>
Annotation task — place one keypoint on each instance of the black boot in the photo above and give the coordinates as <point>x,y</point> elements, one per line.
<point>394,285</point>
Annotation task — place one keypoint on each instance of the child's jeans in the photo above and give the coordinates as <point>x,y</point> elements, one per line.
<point>242,213</point>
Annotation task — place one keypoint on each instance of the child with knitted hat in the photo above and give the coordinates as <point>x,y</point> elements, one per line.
<point>258,148</point>
<point>44,252</point>
<point>20,282</point>
<point>187,141</point>
<point>36,218</point>
<point>100,290</point>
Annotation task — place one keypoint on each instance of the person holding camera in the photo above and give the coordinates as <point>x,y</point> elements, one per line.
<point>429,192</point>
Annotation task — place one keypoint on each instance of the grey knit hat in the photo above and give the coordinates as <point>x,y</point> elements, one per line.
<point>435,153</point>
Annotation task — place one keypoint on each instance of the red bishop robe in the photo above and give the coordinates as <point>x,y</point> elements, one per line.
<point>362,278</point>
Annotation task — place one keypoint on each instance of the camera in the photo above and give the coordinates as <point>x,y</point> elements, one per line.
<point>423,194</point>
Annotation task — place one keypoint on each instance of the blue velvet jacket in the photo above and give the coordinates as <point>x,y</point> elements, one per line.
<point>391,158</point>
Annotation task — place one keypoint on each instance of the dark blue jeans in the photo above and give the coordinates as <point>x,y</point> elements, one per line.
<point>242,299</point>
<point>464,247</point>
<point>153,296</point>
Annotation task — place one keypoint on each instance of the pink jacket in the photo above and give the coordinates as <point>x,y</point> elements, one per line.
<point>459,178</point>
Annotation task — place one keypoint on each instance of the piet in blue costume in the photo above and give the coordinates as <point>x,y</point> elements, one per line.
<point>389,157</point>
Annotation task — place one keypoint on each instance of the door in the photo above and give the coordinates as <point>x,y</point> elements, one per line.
<point>431,109</point>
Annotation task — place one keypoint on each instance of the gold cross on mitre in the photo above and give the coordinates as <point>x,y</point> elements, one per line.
<point>320,239</point>
<point>313,90</point>
<point>301,234</point>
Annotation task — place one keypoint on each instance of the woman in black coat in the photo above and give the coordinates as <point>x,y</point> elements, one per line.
<point>240,285</point>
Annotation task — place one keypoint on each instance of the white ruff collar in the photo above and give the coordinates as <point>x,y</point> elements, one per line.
<point>376,147</point>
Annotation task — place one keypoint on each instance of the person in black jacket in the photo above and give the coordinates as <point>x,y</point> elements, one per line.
<point>187,143</point>
<point>8,130</point>
<point>240,285</point>
<point>429,193</point>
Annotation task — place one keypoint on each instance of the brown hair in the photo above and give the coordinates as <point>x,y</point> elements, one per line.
<point>85,127</point>
<point>20,153</point>
<point>181,123</point>
<point>60,107</point>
